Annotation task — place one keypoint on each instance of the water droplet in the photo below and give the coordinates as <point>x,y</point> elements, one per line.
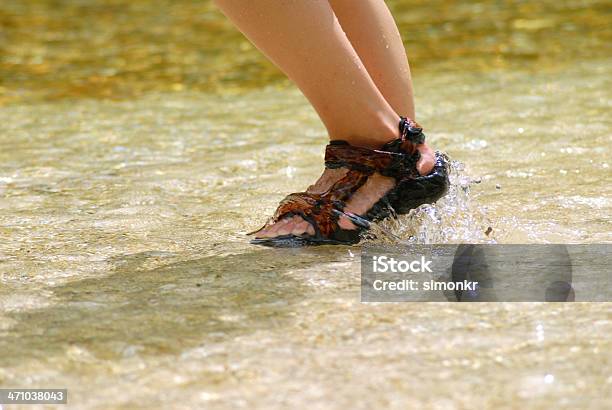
<point>539,333</point>
<point>452,218</point>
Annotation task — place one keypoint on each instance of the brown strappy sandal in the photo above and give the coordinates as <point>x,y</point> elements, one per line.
<point>323,211</point>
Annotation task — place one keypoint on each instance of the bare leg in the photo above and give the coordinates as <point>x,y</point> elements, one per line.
<point>305,40</point>
<point>371,29</point>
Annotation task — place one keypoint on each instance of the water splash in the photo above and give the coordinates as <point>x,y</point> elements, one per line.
<point>454,218</point>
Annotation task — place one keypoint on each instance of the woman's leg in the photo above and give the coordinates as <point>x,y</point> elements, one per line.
<point>305,40</point>
<point>373,33</point>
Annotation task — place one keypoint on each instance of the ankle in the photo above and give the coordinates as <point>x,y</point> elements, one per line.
<point>383,128</point>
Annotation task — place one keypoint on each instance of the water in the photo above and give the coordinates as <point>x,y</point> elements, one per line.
<point>131,169</point>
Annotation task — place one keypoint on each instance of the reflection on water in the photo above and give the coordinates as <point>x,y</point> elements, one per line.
<point>138,146</point>
<point>121,49</point>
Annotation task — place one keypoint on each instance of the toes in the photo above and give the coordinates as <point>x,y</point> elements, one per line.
<point>294,225</point>
<point>263,232</point>
<point>279,226</point>
<point>427,160</point>
<point>300,227</point>
<point>270,231</point>
<point>286,228</point>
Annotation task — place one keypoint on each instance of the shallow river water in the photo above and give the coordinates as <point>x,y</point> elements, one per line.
<point>139,144</point>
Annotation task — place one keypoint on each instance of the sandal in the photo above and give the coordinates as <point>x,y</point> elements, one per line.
<point>323,211</point>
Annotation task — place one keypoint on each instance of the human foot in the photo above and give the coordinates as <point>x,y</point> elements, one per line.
<point>362,200</point>
<point>374,188</point>
<point>359,185</point>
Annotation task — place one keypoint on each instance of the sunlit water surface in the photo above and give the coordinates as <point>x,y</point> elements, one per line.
<point>126,275</point>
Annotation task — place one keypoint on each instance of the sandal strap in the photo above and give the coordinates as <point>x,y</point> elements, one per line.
<point>322,210</point>
<point>396,163</point>
<point>411,131</point>
<point>318,211</point>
